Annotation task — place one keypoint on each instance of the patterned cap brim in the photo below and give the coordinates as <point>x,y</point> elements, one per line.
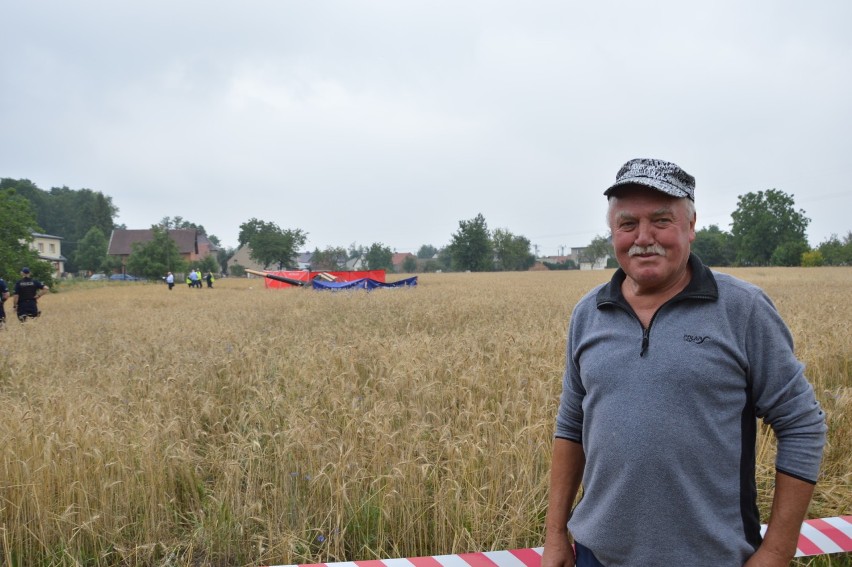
<point>658,184</point>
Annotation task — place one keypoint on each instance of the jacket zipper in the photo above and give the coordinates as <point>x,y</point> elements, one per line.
<point>646,331</point>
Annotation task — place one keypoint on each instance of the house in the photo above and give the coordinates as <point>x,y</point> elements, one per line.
<point>399,258</point>
<point>205,246</point>
<point>303,260</point>
<point>191,244</point>
<point>578,254</point>
<point>49,249</point>
<point>599,264</point>
<point>355,264</point>
<point>243,258</point>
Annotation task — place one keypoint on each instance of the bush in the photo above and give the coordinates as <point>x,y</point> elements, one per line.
<point>812,259</point>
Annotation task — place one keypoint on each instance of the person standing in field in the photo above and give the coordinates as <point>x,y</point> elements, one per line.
<point>27,292</point>
<point>209,279</point>
<point>668,367</point>
<point>170,280</point>
<point>4,295</point>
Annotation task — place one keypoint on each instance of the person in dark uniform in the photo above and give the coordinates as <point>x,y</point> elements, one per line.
<point>4,295</point>
<point>27,292</point>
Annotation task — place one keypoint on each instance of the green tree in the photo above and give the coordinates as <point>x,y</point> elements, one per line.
<point>471,247</point>
<point>599,248</point>
<point>207,264</point>
<point>92,251</point>
<point>154,258</point>
<point>17,223</point>
<point>846,258</point>
<point>355,251</point>
<point>812,259</point>
<point>181,223</point>
<point>714,246</point>
<point>789,254</point>
<point>409,265</point>
<point>379,257</point>
<point>223,256</point>
<point>512,252</point>
<point>568,264</point>
<point>837,252</point>
<point>426,252</point>
<point>67,213</point>
<point>445,259</point>
<point>764,222</point>
<point>331,259</point>
<point>271,245</point>
<point>248,229</point>
<point>29,191</point>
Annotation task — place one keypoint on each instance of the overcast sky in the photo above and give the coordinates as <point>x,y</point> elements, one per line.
<point>391,121</point>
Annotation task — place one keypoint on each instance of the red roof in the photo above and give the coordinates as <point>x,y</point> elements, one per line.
<point>122,240</point>
<point>399,257</point>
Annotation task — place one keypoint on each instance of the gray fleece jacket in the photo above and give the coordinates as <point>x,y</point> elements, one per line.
<point>667,417</point>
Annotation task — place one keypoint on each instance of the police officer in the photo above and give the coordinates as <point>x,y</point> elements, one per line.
<point>27,292</point>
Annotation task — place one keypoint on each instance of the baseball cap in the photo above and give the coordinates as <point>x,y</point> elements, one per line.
<point>663,176</point>
<point>25,270</point>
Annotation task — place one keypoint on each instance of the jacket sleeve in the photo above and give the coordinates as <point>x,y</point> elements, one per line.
<point>569,418</point>
<point>781,394</point>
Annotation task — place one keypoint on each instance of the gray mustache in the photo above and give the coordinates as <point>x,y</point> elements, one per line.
<point>653,249</point>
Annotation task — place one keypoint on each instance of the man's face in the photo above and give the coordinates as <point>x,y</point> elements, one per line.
<point>651,234</point>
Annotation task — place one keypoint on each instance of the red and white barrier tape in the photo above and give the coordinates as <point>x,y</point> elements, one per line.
<point>818,537</point>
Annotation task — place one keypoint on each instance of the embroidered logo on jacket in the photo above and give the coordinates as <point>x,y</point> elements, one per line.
<point>695,339</point>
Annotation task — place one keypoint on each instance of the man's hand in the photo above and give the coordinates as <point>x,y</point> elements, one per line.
<point>566,472</point>
<point>557,551</point>
<point>789,506</point>
<point>764,558</point>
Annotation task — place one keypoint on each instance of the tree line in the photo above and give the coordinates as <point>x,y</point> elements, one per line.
<point>472,248</point>
<point>63,212</point>
<point>767,230</point>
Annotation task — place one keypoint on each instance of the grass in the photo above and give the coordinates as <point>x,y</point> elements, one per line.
<point>244,426</point>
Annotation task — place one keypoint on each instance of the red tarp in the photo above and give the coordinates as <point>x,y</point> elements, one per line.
<point>305,276</point>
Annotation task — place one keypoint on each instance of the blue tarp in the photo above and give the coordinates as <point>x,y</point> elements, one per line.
<point>363,283</point>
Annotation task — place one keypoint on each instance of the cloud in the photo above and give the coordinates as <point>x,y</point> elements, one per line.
<point>390,122</point>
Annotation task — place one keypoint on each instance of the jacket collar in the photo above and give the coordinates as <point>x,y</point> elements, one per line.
<point>701,286</point>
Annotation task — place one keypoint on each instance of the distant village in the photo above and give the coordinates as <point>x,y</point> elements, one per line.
<point>194,245</point>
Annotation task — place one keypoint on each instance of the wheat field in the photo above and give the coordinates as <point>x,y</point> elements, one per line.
<point>246,426</point>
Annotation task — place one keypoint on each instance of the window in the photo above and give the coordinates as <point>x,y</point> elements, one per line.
<point>41,246</point>
<point>52,247</point>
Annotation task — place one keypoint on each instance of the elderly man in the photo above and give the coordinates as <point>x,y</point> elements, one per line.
<point>668,367</point>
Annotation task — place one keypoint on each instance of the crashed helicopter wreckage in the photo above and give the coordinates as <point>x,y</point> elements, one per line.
<point>333,281</point>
